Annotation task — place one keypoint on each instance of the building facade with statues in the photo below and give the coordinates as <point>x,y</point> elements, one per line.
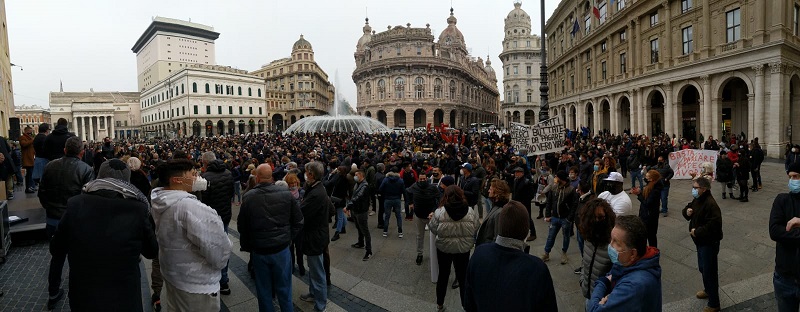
<point>406,79</point>
<point>686,68</point>
<point>32,116</point>
<point>296,87</point>
<point>95,115</point>
<point>521,59</point>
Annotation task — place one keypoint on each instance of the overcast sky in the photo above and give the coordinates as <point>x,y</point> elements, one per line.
<point>87,43</point>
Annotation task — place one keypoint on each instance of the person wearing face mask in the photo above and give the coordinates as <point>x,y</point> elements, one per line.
<point>491,175</point>
<point>705,228</point>
<point>598,176</point>
<point>595,221</point>
<point>359,204</point>
<point>574,178</point>
<point>499,195</point>
<point>193,245</point>
<point>784,229</point>
<point>218,196</point>
<point>634,282</point>
<point>619,200</point>
<point>649,199</point>
<point>424,200</point>
<point>562,202</point>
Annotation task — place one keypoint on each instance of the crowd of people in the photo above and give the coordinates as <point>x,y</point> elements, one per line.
<point>472,192</point>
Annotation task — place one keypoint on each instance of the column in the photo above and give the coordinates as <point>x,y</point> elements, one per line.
<point>614,111</point>
<point>751,97</point>
<point>776,101</point>
<point>669,109</point>
<point>706,107</point>
<point>716,117</point>
<point>667,57</point>
<point>633,106</point>
<point>678,121</point>
<point>111,126</point>
<point>580,111</point>
<point>758,106</point>
<point>596,124</point>
<point>706,29</point>
<point>90,136</point>
<point>74,124</point>
<point>648,113</point>
<point>631,56</point>
<point>760,17</point>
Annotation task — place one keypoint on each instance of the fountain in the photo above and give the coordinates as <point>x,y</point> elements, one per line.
<point>334,122</point>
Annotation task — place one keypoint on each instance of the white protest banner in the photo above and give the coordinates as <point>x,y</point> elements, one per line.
<point>684,162</point>
<point>544,137</point>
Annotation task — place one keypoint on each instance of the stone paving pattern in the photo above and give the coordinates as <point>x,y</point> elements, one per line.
<point>391,281</point>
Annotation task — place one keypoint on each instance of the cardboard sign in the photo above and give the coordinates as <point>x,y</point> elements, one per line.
<point>542,138</point>
<point>684,162</point>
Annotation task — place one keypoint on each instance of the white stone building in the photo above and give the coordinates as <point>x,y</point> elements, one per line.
<point>521,59</point>
<point>31,116</point>
<point>204,100</point>
<point>96,115</point>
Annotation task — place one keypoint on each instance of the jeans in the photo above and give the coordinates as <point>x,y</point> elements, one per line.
<point>756,176</point>
<point>636,175</point>
<point>459,261</point>
<point>392,205</point>
<point>664,198</point>
<point>317,285</point>
<point>406,202</point>
<point>363,230</point>
<point>557,224</point>
<point>708,264</point>
<point>579,238</point>
<point>421,223</point>
<point>341,219</point>
<point>224,272</point>
<point>56,262</point>
<point>29,178</point>
<point>787,293</point>
<point>237,191</point>
<point>274,274</point>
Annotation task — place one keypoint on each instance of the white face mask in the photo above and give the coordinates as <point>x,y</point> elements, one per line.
<point>461,172</point>
<point>200,184</point>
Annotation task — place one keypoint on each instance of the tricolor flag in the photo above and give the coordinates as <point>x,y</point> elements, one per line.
<point>595,10</point>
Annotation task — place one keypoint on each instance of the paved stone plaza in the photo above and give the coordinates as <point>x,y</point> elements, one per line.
<point>391,281</point>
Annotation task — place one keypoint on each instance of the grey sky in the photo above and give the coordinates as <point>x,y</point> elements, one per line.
<point>87,43</point>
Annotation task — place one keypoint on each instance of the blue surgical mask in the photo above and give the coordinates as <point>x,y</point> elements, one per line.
<point>356,178</point>
<point>613,255</point>
<point>596,167</point>
<point>695,193</point>
<point>794,186</point>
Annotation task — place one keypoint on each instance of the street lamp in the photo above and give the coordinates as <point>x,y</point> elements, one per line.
<point>544,107</point>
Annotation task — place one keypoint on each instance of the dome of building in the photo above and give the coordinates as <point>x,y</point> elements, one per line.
<point>518,18</point>
<point>366,37</point>
<point>346,123</point>
<point>301,43</point>
<point>489,69</point>
<point>451,34</point>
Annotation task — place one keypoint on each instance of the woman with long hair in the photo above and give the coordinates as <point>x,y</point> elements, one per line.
<point>297,244</point>
<point>595,222</point>
<point>650,203</point>
<point>499,195</point>
<point>454,225</point>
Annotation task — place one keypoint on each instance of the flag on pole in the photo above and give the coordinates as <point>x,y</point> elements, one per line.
<point>575,27</point>
<point>595,10</point>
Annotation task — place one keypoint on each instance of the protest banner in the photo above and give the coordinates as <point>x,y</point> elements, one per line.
<point>542,138</point>
<point>684,162</point>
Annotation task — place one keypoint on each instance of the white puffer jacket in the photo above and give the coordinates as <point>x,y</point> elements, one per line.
<point>454,236</point>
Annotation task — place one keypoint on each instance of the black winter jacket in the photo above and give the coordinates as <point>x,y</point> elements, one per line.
<point>425,197</point>
<point>724,170</point>
<point>220,189</point>
<point>360,200</point>
<point>103,235</point>
<point>706,219</point>
<point>523,191</point>
<point>269,219</point>
<point>62,179</point>
<point>787,249</point>
<point>392,187</point>
<point>564,207</point>
<point>315,209</point>
<point>650,205</point>
<point>472,189</point>
<point>55,141</point>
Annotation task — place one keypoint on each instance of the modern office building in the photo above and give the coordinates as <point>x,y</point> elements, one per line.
<point>296,87</point>
<point>406,79</point>
<point>690,68</point>
<point>521,59</point>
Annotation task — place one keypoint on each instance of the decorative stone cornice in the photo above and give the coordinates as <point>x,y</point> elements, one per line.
<point>759,69</point>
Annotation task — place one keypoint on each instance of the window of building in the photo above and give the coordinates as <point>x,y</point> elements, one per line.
<point>622,60</point>
<point>230,110</point>
<point>437,88</point>
<point>250,110</point>
<point>529,97</point>
<point>589,76</point>
<point>182,90</point>
<point>653,19</point>
<point>528,44</point>
<point>259,92</point>
<point>249,91</point>
<point>240,90</point>
<point>796,20</point>
<point>419,50</point>
<point>602,8</point>
<point>516,70</point>
<point>452,89</point>
<point>622,36</point>
<point>183,111</point>
<point>208,88</point>
<point>562,86</point>
<point>572,82</point>
<point>240,110</point>
<point>419,87</point>
<point>686,34</point>
<point>508,97</point>
<point>208,109</point>
<point>620,5</point>
<point>603,46</point>
<point>686,5</point>
<point>603,70</point>
<point>733,25</point>
<point>530,83</point>
<point>654,51</point>
<point>528,70</point>
<point>219,109</point>
<point>514,44</point>
<point>260,112</point>
<point>398,50</point>
<point>399,85</point>
<point>587,23</point>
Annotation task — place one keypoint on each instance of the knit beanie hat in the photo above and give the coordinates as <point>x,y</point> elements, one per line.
<point>448,181</point>
<point>114,168</point>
